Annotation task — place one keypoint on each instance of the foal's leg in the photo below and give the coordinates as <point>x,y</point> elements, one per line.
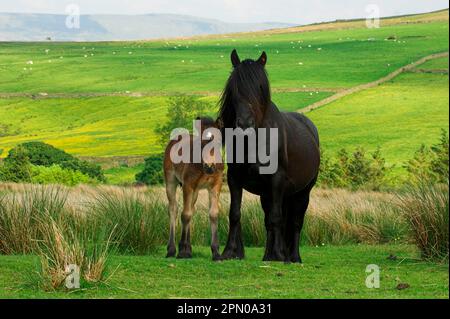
<point>184,247</point>
<point>213,216</point>
<point>171,191</point>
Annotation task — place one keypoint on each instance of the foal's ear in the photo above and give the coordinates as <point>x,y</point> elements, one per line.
<point>263,59</point>
<point>235,58</point>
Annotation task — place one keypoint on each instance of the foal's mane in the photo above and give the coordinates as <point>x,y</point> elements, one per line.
<point>248,82</point>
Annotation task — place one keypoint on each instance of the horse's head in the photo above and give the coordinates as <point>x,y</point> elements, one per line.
<point>247,93</point>
<point>209,132</point>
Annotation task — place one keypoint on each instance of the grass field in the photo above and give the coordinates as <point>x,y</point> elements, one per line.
<point>398,116</point>
<point>328,272</point>
<point>336,58</point>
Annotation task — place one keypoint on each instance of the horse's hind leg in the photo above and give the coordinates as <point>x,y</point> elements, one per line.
<point>296,209</point>
<point>213,216</point>
<point>171,191</point>
<point>189,197</point>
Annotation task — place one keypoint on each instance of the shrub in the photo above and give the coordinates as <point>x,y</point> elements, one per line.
<point>430,163</point>
<point>42,154</point>
<point>55,174</point>
<point>353,171</point>
<point>152,174</point>
<point>426,209</point>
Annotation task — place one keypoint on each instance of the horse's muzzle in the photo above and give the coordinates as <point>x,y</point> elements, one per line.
<point>209,168</point>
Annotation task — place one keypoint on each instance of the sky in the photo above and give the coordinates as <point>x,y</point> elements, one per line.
<point>288,11</point>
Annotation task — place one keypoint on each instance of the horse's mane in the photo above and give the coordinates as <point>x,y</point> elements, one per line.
<point>249,82</point>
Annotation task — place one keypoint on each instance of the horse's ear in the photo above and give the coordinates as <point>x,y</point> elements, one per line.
<point>263,59</point>
<point>235,58</point>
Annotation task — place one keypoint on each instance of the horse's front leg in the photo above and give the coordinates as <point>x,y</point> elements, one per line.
<point>275,245</point>
<point>184,247</point>
<point>214,216</point>
<point>234,247</point>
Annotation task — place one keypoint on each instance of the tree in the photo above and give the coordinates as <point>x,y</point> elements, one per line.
<point>181,111</point>
<point>17,167</point>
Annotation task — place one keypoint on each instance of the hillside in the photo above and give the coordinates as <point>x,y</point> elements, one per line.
<point>104,99</point>
<point>40,27</point>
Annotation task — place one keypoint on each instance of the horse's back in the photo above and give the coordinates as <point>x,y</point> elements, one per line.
<point>305,122</point>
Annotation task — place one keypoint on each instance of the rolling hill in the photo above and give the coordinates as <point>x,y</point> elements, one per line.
<point>40,27</point>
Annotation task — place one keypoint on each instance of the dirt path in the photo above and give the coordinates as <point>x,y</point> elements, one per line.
<point>369,85</point>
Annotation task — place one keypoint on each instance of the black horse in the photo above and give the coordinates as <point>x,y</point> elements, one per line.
<point>246,103</point>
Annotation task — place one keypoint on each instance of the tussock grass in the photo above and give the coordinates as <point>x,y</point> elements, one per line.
<point>427,212</point>
<point>82,224</point>
<point>37,220</point>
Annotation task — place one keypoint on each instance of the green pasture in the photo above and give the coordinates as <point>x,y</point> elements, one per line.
<point>103,126</point>
<point>327,272</point>
<point>398,116</point>
<point>335,58</point>
<point>436,64</point>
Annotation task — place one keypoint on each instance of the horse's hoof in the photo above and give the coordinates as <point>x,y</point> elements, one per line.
<point>171,253</point>
<point>274,257</point>
<point>184,255</point>
<point>217,258</point>
<point>230,254</point>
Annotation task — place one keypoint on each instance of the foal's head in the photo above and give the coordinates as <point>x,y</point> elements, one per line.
<point>208,131</point>
<point>247,93</point>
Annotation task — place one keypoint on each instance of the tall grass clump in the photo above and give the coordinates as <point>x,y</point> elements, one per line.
<point>426,209</point>
<point>19,213</point>
<point>36,220</point>
<point>140,220</point>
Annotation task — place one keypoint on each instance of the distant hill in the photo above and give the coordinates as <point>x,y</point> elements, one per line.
<point>41,27</point>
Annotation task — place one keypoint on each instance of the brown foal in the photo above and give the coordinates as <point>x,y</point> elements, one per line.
<point>193,177</point>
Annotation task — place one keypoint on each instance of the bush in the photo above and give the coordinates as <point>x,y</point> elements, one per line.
<point>55,174</point>
<point>353,171</point>
<point>152,174</point>
<point>426,209</point>
<point>42,154</point>
<point>430,163</point>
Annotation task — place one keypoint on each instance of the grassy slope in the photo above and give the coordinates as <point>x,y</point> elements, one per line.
<point>348,57</point>
<point>326,273</point>
<point>105,126</point>
<point>398,116</point>
<point>436,64</point>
